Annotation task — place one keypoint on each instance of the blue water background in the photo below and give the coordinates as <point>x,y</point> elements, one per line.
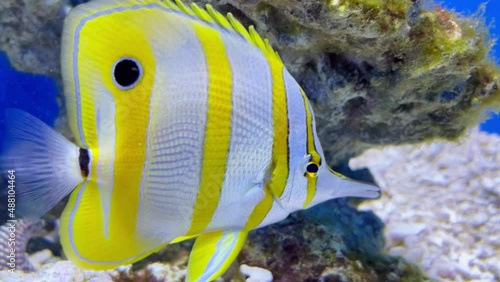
<point>37,94</point>
<point>492,15</point>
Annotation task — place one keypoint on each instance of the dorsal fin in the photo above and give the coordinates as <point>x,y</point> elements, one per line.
<point>210,15</point>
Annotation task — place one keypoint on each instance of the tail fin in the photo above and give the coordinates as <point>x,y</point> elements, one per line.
<point>41,165</point>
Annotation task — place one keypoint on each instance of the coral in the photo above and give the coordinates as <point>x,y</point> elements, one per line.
<point>460,240</point>
<point>298,249</point>
<point>20,231</point>
<point>30,34</point>
<point>307,247</point>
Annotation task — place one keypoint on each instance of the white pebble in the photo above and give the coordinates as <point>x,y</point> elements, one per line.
<point>415,254</point>
<point>401,231</point>
<point>256,274</point>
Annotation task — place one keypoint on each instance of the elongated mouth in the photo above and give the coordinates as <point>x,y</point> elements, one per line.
<point>342,186</point>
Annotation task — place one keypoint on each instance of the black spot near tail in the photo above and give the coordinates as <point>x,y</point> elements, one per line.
<point>84,161</point>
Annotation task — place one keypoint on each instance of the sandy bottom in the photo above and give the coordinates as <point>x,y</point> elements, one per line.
<point>440,203</point>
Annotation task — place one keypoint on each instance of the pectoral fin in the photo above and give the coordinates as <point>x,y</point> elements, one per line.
<point>44,166</point>
<point>213,253</point>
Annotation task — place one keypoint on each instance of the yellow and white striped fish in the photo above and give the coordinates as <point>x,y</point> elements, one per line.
<point>187,125</point>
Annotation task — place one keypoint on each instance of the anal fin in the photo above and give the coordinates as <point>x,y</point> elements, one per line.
<point>213,253</point>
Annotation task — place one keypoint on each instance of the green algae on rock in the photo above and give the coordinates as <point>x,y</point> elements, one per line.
<point>24,231</point>
<point>302,248</point>
<point>30,33</point>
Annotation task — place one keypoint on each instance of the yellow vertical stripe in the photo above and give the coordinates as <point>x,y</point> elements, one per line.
<point>279,168</point>
<point>218,127</point>
<point>311,150</point>
<point>311,191</point>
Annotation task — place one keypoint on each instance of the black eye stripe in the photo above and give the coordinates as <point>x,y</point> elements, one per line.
<point>126,73</point>
<point>84,161</point>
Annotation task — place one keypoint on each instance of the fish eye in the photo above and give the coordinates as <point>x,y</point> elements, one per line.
<point>126,73</point>
<point>312,168</point>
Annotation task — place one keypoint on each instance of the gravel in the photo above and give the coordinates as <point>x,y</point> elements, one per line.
<point>440,203</point>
